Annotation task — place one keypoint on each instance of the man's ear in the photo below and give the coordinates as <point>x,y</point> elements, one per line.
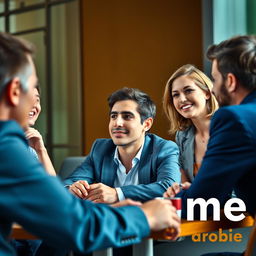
<point>231,83</point>
<point>13,91</point>
<point>148,123</point>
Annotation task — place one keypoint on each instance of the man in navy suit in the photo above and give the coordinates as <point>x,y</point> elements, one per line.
<point>133,163</point>
<point>230,159</point>
<point>39,202</point>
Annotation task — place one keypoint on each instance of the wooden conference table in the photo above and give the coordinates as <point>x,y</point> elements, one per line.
<point>188,228</point>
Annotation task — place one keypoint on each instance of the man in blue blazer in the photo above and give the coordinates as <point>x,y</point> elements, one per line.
<point>132,164</point>
<point>39,202</point>
<point>230,159</point>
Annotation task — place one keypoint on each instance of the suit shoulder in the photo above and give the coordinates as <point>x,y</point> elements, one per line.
<point>185,136</point>
<point>185,133</point>
<point>11,131</point>
<point>230,113</point>
<point>158,141</point>
<point>103,144</point>
<point>234,118</point>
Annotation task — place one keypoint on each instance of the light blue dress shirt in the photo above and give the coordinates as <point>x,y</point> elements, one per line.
<point>123,178</point>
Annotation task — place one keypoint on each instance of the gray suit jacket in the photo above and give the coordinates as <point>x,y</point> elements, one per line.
<point>158,167</point>
<point>186,141</point>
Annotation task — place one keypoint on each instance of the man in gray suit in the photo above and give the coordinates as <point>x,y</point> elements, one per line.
<point>133,163</point>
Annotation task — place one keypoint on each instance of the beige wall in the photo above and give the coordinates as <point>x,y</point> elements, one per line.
<point>134,43</point>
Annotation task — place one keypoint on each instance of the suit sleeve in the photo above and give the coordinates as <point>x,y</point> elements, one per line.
<point>164,166</point>
<point>42,206</point>
<point>230,149</point>
<point>86,171</point>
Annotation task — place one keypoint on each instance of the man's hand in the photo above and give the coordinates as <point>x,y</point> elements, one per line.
<point>35,139</point>
<point>176,188</point>
<point>126,202</point>
<point>161,214</point>
<point>80,189</point>
<point>100,193</point>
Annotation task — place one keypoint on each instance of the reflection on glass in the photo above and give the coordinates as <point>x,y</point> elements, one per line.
<point>16,4</point>
<point>38,40</point>
<point>27,20</point>
<point>66,78</point>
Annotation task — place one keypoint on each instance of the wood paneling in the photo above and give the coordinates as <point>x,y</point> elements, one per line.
<point>134,43</point>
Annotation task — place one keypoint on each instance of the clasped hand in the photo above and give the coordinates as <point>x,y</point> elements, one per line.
<point>97,192</point>
<point>160,214</point>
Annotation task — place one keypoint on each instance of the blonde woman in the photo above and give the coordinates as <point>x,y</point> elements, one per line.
<point>189,104</point>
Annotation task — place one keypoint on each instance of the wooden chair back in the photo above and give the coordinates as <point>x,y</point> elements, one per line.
<point>251,245</point>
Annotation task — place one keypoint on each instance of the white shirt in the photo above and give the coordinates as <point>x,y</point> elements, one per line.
<point>123,178</point>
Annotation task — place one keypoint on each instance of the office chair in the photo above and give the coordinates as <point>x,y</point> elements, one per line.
<point>68,165</point>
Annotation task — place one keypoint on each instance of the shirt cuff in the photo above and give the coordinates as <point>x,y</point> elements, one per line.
<point>120,194</point>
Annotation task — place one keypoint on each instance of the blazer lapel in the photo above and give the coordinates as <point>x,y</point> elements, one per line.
<point>188,151</point>
<point>108,171</point>
<point>144,167</point>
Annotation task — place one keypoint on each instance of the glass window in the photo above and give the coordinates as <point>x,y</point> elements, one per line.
<point>16,4</point>
<point>60,125</point>
<point>66,80</point>
<point>1,6</point>
<point>37,39</point>
<point>251,18</point>
<point>226,23</point>
<point>2,24</point>
<point>27,20</point>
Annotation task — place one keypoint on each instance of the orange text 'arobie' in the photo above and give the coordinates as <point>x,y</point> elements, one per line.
<point>217,237</point>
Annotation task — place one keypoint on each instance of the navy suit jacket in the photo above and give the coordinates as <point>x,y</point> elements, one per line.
<point>230,159</point>
<point>42,205</point>
<point>158,167</point>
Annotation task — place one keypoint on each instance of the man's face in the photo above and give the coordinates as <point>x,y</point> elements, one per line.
<point>125,126</point>
<point>219,87</point>
<point>20,112</point>
<point>35,111</point>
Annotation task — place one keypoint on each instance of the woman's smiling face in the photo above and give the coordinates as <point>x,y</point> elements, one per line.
<point>189,99</point>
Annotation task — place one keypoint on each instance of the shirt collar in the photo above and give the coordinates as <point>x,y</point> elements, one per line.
<point>136,158</point>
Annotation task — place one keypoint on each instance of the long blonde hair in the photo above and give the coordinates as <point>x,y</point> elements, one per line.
<point>177,121</point>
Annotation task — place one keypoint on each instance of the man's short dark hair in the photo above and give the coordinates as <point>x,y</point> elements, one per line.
<point>14,60</point>
<point>146,106</point>
<point>236,55</point>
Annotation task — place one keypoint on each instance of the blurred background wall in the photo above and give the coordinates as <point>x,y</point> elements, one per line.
<point>135,44</point>
<point>86,49</point>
